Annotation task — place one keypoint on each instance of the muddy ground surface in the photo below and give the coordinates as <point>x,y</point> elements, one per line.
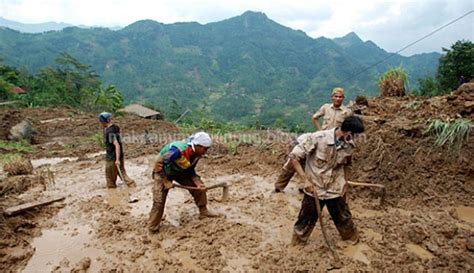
<point>425,223</point>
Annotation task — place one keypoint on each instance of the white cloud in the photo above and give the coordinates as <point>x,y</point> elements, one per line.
<point>389,23</point>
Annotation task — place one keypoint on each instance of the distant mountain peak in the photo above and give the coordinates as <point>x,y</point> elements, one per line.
<point>254,14</point>
<point>349,39</point>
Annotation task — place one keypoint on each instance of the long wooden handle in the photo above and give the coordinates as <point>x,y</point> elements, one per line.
<point>218,185</point>
<point>352,183</point>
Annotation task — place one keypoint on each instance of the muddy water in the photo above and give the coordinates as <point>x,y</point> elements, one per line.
<point>56,160</point>
<point>51,161</point>
<point>56,244</point>
<point>466,214</point>
<point>72,237</point>
<point>358,252</point>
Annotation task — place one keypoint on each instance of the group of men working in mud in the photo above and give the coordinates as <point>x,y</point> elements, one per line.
<point>322,159</point>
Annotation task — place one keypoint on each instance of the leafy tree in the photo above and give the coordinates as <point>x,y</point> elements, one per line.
<point>428,86</point>
<point>5,89</point>
<point>458,61</point>
<point>109,99</point>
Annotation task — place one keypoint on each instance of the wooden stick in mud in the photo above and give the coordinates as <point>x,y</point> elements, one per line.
<point>23,207</point>
<point>223,185</point>
<point>323,229</point>
<point>380,186</point>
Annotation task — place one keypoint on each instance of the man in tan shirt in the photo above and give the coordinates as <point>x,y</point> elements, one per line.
<point>333,113</point>
<point>328,156</point>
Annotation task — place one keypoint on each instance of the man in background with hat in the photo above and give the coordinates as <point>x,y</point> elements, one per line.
<point>114,157</point>
<point>333,113</point>
<point>177,162</point>
<point>333,116</point>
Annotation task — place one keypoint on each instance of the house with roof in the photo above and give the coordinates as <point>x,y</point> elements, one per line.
<point>142,111</point>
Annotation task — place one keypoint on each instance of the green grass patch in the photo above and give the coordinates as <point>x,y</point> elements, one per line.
<point>451,132</point>
<point>9,157</point>
<point>16,146</point>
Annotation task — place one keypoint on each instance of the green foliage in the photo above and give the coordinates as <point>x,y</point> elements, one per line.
<point>452,132</point>
<point>458,61</point>
<point>109,99</point>
<point>393,82</point>
<point>16,146</point>
<point>232,147</point>
<point>428,86</point>
<point>5,90</point>
<point>412,105</point>
<point>98,138</point>
<point>247,69</point>
<point>9,157</point>
<point>70,83</point>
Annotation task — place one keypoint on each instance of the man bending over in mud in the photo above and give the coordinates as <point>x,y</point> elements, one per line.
<point>177,162</point>
<point>114,157</point>
<point>328,156</point>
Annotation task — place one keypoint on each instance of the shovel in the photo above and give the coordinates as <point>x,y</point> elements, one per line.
<point>223,185</point>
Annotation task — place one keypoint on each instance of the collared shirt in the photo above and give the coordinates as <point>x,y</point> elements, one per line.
<point>332,116</point>
<point>324,163</point>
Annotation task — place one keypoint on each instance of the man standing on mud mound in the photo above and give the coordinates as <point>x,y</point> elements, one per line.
<point>333,114</point>
<point>114,157</point>
<point>328,157</point>
<point>177,162</point>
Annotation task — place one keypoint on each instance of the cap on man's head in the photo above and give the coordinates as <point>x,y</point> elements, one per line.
<point>200,138</point>
<point>338,90</point>
<point>104,117</point>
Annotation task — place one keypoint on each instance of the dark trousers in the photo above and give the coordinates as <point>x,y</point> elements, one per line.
<point>339,211</point>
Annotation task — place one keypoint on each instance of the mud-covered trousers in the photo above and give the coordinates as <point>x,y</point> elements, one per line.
<point>339,211</point>
<point>286,173</point>
<point>111,173</point>
<point>160,192</point>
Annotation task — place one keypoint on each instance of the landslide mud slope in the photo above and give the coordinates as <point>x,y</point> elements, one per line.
<point>425,223</point>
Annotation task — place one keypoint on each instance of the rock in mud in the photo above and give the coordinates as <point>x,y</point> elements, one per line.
<point>23,130</point>
<point>416,233</point>
<point>82,266</point>
<point>470,243</point>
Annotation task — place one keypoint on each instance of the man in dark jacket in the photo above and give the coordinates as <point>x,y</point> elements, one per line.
<point>114,157</point>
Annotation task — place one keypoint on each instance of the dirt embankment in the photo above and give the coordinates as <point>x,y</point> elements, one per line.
<point>426,222</point>
<point>397,151</point>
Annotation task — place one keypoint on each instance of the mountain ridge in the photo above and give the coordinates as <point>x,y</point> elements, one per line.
<point>268,70</point>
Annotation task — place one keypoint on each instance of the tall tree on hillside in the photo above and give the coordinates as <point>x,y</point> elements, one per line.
<point>76,76</point>
<point>456,63</point>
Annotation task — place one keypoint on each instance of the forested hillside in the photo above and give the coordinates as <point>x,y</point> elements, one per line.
<point>246,69</point>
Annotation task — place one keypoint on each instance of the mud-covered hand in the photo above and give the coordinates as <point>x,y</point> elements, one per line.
<point>158,167</point>
<point>198,182</point>
<point>309,186</point>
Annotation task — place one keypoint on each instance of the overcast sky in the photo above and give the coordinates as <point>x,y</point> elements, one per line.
<point>391,24</point>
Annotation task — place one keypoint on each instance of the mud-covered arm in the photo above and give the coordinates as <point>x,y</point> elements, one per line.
<point>348,169</point>
<point>117,150</point>
<point>300,152</point>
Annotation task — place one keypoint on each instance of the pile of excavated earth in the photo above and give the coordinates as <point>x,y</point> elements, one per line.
<point>425,222</point>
